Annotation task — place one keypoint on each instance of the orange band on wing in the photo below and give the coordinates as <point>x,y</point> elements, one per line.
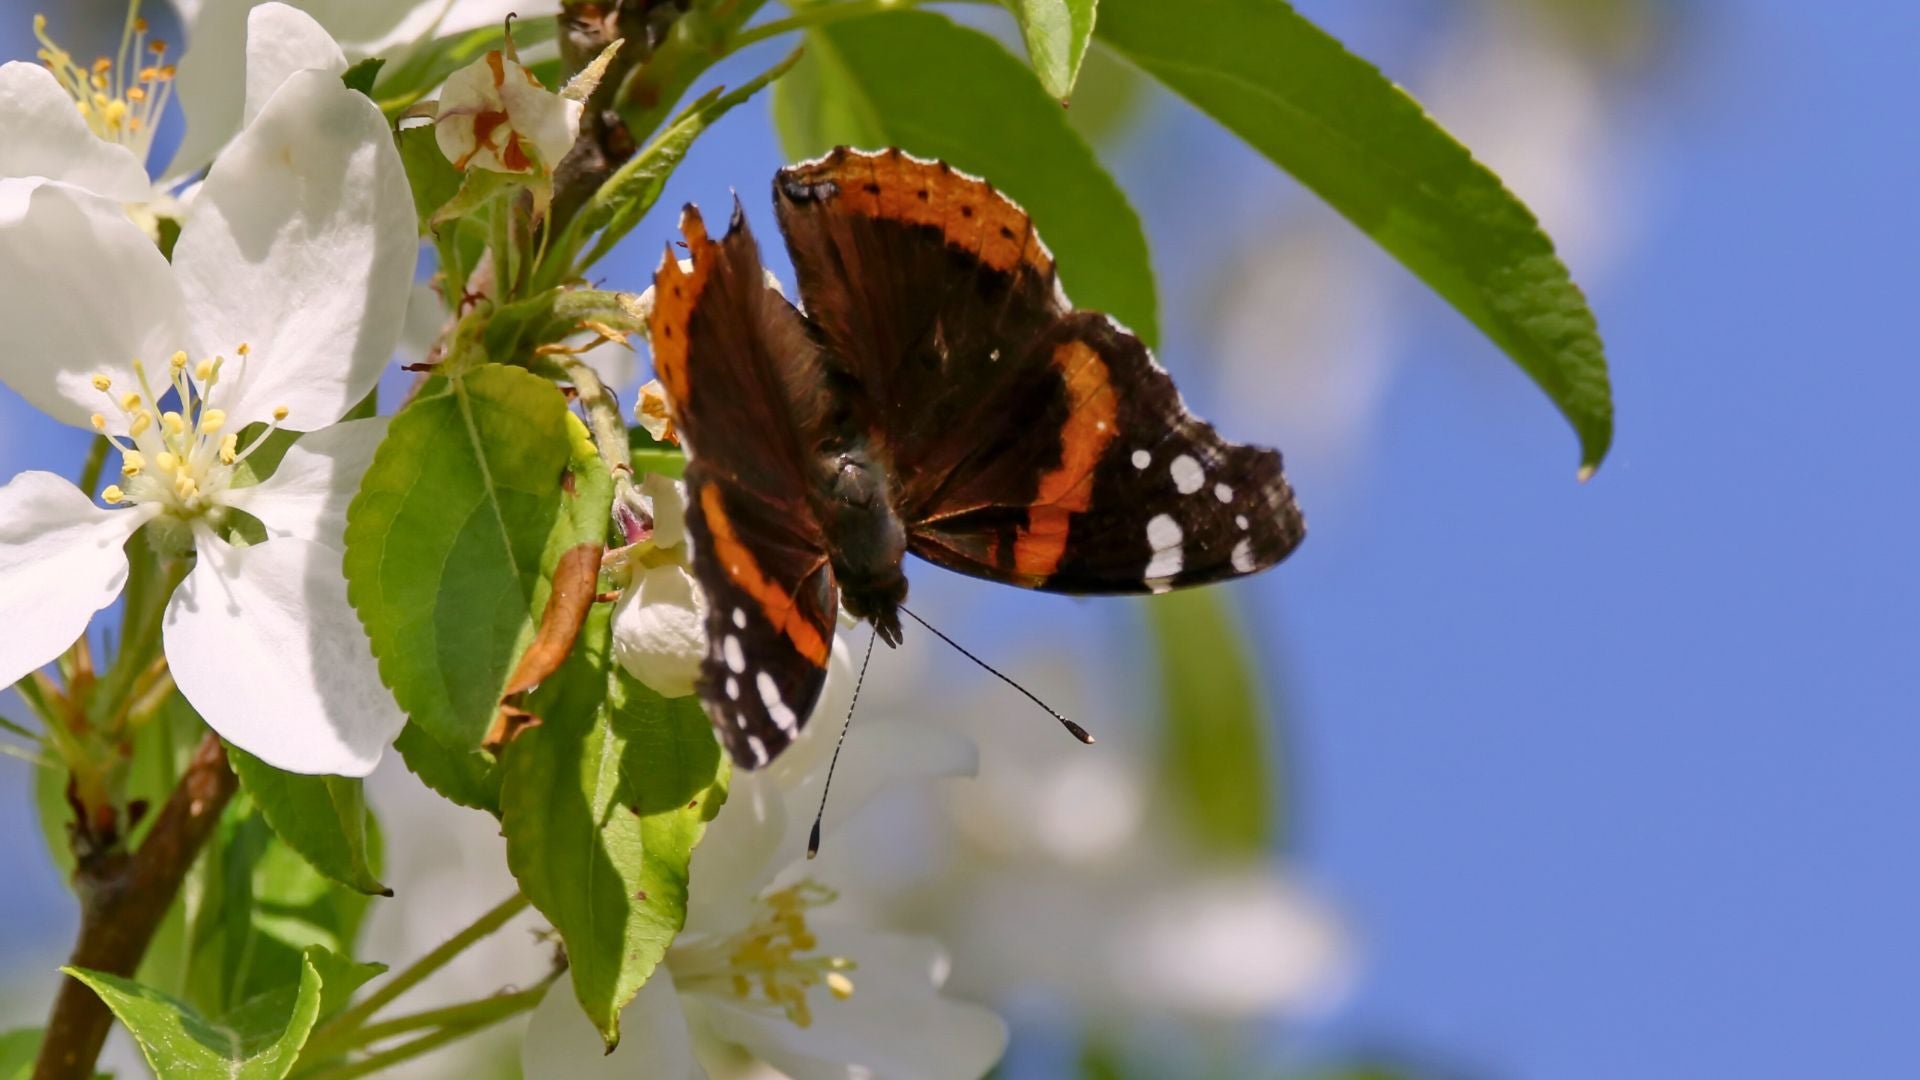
<point>973,216</point>
<point>675,292</point>
<point>776,603</point>
<point>1092,413</point>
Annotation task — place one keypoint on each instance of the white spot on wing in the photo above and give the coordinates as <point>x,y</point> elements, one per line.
<point>1187,474</point>
<point>1243,556</point>
<point>776,708</point>
<point>736,659</point>
<point>1223,493</point>
<point>1142,459</point>
<point>740,618</point>
<point>1240,520</point>
<point>733,688</point>
<point>759,749</point>
<point>1164,537</point>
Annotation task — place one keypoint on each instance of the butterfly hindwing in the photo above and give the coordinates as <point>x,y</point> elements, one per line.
<point>771,605</point>
<point>1136,494</point>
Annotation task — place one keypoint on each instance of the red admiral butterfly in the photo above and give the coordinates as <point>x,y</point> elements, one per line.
<point>936,395</point>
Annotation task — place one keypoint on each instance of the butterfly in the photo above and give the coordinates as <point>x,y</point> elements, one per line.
<point>935,394</point>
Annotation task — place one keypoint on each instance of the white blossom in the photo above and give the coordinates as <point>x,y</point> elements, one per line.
<point>281,306</point>
<point>771,968</point>
<point>220,32</point>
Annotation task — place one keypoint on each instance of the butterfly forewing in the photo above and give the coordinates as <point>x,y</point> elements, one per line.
<point>744,381</point>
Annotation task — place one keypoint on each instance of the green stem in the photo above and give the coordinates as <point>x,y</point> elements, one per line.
<point>341,1027</point>
<point>95,464</point>
<point>467,1015</point>
<point>609,429</point>
<point>20,730</point>
<point>406,1051</point>
<point>150,584</point>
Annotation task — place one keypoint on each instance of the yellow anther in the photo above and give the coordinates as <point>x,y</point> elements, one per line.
<point>213,420</point>
<point>229,449</point>
<point>132,462</point>
<point>172,422</point>
<point>184,486</point>
<point>178,360</point>
<point>115,113</point>
<point>166,462</point>
<point>841,986</point>
<point>244,349</point>
<point>279,413</point>
<point>98,421</point>
<point>112,495</point>
<point>130,402</point>
<point>204,373</point>
<point>102,383</point>
<point>142,420</point>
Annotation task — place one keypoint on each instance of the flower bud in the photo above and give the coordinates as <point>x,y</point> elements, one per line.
<point>660,629</point>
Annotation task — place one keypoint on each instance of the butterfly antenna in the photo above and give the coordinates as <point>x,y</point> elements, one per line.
<point>1073,729</point>
<point>813,838</point>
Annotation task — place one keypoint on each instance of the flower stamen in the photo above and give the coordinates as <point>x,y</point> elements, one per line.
<point>768,962</point>
<point>121,103</point>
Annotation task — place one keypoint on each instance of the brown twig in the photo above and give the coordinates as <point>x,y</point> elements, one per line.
<point>123,897</point>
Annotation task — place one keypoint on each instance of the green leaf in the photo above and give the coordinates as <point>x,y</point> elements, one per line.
<point>258,1041</point>
<point>432,177</point>
<point>323,818</point>
<point>467,777</point>
<point>1213,737</point>
<point>890,80</point>
<point>1056,32</point>
<point>1367,148</point>
<point>446,538</point>
<point>361,75</point>
<point>630,192</point>
<point>602,805</point>
<point>18,1048</point>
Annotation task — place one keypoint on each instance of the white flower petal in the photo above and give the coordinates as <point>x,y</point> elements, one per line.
<point>654,1042</point>
<point>61,560</point>
<point>47,137</point>
<point>743,848</point>
<point>281,41</point>
<point>668,498</point>
<point>86,292</point>
<point>211,79</point>
<point>435,17</point>
<point>307,496</point>
<point>302,244</point>
<point>660,629</point>
<point>896,1024</point>
<point>263,643</point>
<point>546,119</point>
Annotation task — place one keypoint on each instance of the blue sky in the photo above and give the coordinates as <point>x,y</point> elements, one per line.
<point>1614,779</point>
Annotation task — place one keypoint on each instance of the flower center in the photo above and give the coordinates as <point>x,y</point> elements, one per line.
<point>769,963</point>
<point>180,459</point>
<point>120,96</point>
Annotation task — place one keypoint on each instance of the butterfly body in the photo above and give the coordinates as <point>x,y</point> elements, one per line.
<point>938,396</point>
